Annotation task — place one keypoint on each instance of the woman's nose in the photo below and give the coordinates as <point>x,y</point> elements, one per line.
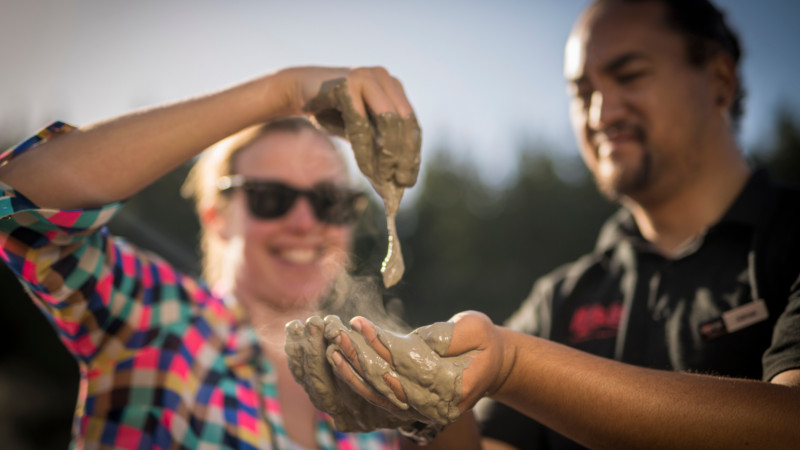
<point>301,216</point>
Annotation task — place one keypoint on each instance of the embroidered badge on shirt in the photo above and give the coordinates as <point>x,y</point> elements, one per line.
<point>594,322</point>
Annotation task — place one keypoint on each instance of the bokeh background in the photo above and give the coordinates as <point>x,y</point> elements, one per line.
<point>502,198</point>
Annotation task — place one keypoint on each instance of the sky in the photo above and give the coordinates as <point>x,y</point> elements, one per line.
<point>483,76</point>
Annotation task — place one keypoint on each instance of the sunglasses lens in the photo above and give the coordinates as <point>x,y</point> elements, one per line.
<point>270,200</point>
<point>334,205</point>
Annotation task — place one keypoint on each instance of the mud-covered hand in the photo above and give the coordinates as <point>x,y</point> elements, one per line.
<point>439,370</point>
<point>306,349</point>
<point>370,109</point>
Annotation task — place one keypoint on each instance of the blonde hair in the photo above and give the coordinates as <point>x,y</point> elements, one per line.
<point>218,161</point>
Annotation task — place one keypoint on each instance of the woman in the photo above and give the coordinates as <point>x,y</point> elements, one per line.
<point>166,361</point>
<point>277,217</point>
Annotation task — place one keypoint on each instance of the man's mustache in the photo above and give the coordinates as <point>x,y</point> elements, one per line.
<point>610,132</point>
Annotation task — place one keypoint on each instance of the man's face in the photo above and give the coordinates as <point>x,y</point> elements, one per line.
<point>639,110</point>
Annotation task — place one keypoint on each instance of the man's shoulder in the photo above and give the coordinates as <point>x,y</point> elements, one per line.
<point>788,202</point>
<point>781,220</point>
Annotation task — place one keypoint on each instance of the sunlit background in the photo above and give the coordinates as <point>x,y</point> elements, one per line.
<point>482,75</point>
<point>502,197</point>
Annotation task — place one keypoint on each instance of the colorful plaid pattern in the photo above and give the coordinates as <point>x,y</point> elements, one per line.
<point>164,362</point>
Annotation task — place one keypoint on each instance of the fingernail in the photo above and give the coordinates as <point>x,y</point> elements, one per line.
<point>356,324</point>
<point>337,358</point>
<point>338,339</point>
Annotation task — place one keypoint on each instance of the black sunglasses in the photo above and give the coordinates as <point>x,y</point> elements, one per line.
<point>268,199</point>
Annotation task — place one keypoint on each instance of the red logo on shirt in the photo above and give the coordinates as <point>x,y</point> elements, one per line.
<point>594,322</point>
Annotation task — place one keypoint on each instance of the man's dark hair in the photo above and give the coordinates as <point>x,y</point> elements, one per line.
<point>706,33</point>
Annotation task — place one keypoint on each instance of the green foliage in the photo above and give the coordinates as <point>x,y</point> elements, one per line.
<point>473,247</point>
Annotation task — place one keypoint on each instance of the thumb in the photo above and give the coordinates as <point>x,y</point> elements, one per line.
<point>471,330</point>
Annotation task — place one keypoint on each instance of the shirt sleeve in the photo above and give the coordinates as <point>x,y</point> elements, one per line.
<point>781,263</point>
<point>77,274</point>
<point>784,353</point>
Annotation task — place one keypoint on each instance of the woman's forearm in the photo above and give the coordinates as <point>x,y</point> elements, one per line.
<point>114,159</point>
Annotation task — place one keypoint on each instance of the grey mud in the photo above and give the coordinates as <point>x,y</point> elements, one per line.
<point>430,381</point>
<point>387,150</point>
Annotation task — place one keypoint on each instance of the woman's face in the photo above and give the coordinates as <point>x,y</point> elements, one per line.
<point>289,261</point>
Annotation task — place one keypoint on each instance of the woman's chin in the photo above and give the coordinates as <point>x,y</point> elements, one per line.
<point>301,295</point>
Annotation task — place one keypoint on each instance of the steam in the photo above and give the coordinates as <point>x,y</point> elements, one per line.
<point>362,295</point>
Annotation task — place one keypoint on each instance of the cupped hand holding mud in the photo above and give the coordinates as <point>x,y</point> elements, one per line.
<point>436,372</point>
<point>307,352</point>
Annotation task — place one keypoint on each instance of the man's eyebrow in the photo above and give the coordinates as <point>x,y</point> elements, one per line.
<point>623,60</point>
<point>610,67</point>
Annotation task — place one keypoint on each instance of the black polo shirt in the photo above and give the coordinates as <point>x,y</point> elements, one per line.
<point>728,304</point>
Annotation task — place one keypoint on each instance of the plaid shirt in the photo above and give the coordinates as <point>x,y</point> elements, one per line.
<point>164,362</point>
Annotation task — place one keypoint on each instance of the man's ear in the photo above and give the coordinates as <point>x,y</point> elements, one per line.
<point>214,221</point>
<point>725,80</point>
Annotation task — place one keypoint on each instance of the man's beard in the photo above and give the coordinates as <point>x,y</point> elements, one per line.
<point>627,184</point>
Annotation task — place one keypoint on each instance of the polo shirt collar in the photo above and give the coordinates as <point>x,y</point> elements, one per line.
<point>754,205</point>
<point>751,208</point>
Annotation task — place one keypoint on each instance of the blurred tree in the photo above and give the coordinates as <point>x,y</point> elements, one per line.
<point>473,247</point>
<point>781,153</point>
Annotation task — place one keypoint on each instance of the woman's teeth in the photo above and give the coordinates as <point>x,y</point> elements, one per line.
<point>298,256</point>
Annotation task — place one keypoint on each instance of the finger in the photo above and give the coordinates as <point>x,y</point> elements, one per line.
<point>333,326</point>
<point>398,135</point>
<point>357,126</point>
<point>305,348</point>
<point>395,91</point>
<point>370,366</point>
<point>346,372</point>
<point>370,334</point>
<point>471,331</point>
<point>389,145</point>
<point>349,351</point>
<point>396,386</point>
<point>367,330</point>
<point>352,356</point>
<point>367,91</point>
<point>314,336</point>
<point>392,89</point>
<point>437,336</point>
<point>293,348</point>
<point>408,160</point>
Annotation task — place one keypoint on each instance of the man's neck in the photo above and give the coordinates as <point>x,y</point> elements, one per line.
<point>689,211</point>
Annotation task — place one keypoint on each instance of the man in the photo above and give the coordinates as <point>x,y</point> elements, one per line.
<point>691,282</point>
<point>655,98</point>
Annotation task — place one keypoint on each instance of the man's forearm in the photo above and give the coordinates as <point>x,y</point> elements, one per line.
<point>607,404</point>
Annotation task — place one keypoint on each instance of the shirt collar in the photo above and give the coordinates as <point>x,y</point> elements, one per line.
<point>752,208</point>
<point>754,205</point>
